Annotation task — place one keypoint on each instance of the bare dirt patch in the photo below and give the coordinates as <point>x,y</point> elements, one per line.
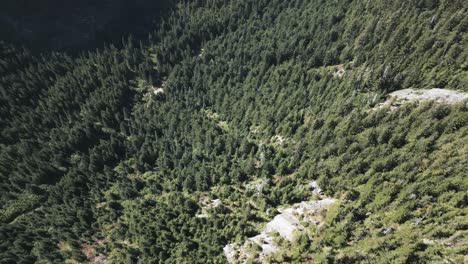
<point>90,252</point>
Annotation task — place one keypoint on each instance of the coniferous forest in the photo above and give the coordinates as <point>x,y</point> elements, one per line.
<point>106,152</point>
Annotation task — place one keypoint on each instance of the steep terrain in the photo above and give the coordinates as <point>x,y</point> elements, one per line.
<point>166,150</point>
<point>289,225</point>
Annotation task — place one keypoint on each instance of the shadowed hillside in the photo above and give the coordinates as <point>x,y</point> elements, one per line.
<point>54,24</point>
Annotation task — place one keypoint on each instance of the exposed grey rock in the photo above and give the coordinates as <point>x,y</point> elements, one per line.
<point>287,224</point>
<point>388,230</point>
<point>442,96</point>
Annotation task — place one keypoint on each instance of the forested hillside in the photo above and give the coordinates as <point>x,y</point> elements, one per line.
<point>108,155</point>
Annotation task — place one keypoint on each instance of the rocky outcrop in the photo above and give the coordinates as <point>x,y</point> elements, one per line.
<point>287,224</point>
<point>442,96</point>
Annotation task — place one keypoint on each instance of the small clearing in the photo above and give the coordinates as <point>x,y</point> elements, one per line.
<point>287,224</point>
<point>442,96</point>
<point>93,257</point>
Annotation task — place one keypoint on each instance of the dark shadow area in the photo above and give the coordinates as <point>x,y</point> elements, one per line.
<point>76,25</point>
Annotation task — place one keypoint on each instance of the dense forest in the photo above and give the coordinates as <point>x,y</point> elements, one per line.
<point>106,154</point>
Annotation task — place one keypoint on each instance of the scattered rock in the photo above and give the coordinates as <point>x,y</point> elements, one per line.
<point>201,215</point>
<point>279,139</point>
<point>257,185</point>
<point>206,205</point>
<point>417,221</point>
<point>388,230</point>
<point>428,241</point>
<point>358,237</point>
<point>202,52</point>
<point>157,91</point>
<point>314,187</point>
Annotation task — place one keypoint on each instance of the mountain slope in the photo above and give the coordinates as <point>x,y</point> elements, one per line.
<point>113,154</point>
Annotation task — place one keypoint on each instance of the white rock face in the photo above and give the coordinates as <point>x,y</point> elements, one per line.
<point>230,252</point>
<point>287,224</point>
<point>442,96</point>
<point>437,94</point>
<point>284,224</point>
